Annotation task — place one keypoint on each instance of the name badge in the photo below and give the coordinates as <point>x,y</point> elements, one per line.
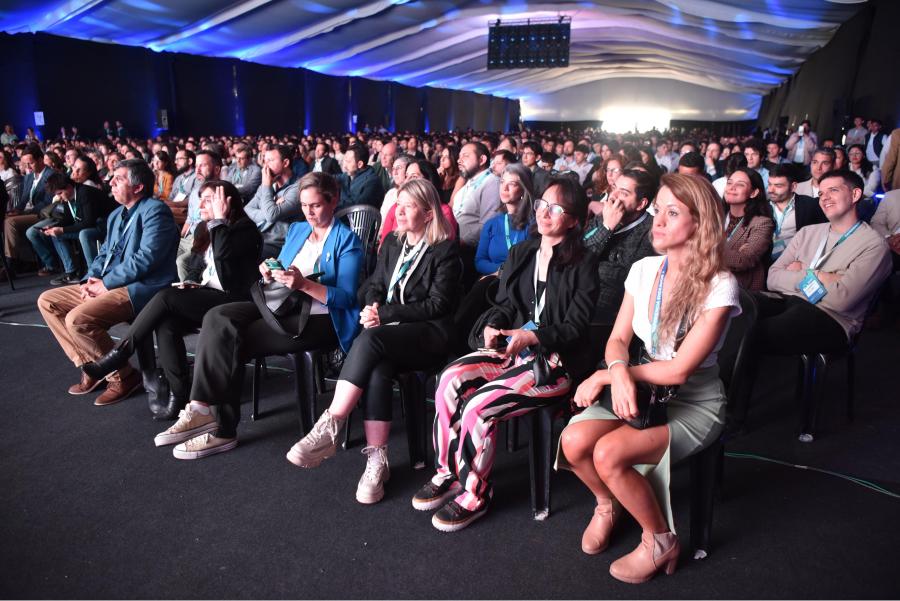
<point>525,352</point>
<point>812,288</point>
<point>179,197</point>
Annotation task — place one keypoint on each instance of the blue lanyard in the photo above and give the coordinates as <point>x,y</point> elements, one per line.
<point>819,259</point>
<point>657,307</point>
<point>736,227</point>
<point>119,246</point>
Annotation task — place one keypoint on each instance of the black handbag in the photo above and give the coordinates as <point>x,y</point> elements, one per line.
<point>278,305</point>
<point>653,399</point>
<point>540,368</point>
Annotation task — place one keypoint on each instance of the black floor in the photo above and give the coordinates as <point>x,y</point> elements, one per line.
<point>89,508</point>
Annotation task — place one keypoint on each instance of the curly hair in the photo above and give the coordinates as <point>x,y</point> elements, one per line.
<point>706,250</point>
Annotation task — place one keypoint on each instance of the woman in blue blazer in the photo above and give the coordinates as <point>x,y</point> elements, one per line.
<point>235,332</point>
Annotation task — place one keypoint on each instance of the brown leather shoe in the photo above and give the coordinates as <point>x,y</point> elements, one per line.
<point>120,389</point>
<point>87,384</point>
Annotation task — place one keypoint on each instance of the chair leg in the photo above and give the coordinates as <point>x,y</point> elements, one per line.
<point>539,460</point>
<point>512,435</point>
<point>346,444</point>
<point>412,395</point>
<point>851,392</point>
<point>808,370</point>
<point>257,377</point>
<point>704,466</point>
<point>6,268</point>
<point>305,384</point>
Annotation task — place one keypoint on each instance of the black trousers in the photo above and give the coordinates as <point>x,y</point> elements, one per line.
<point>379,353</point>
<point>172,314</point>
<point>785,326</point>
<point>231,335</point>
<point>790,325</point>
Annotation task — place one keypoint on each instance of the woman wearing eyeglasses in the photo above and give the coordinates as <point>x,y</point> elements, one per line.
<point>533,348</point>
<point>603,183</point>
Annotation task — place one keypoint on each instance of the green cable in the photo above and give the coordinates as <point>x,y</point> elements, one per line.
<point>860,481</point>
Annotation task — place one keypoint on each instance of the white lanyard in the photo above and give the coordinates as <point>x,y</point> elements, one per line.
<point>819,259</point>
<point>631,225</point>
<point>539,302</point>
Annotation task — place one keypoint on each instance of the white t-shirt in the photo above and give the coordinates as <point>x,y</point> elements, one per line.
<point>308,260</point>
<point>724,292</point>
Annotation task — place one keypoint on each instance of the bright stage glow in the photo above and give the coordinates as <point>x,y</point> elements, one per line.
<point>621,119</point>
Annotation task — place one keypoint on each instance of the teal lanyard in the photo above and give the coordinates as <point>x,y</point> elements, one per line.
<point>657,307</point>
<point>509,242</point>
<point>404,267</point>
<point>71,204</point>
<point>819,259</point>
<point>779,221</point>
<point>736,227</point>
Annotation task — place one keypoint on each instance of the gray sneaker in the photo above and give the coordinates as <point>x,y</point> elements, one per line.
<point>371,486</point>
<point>320,444</point>
<point>191,423</point>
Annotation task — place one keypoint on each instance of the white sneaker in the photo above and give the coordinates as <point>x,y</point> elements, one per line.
<point>203,445</point>
<point>320,444</point>
<point>371,486</point>
<point>193,420</point>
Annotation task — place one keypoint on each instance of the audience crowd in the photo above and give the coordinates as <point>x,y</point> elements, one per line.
<point>521,268</point>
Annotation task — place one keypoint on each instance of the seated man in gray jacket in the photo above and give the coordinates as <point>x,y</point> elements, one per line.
<point>276,203</point>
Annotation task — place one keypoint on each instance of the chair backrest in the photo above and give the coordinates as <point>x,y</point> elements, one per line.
<point>365,221</point>
<point>732,355</point>
<point>14,190</point>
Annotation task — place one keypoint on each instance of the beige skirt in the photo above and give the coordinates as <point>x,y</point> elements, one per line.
<point>696,418</point>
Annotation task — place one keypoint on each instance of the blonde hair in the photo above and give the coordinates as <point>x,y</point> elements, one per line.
<point>426,197</point>
<point>705,250</point>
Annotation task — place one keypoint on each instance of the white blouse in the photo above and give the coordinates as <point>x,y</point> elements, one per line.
<point>310,254</point>
<point>724,292</point>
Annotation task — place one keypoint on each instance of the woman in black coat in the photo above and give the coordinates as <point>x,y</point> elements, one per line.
<point>231,268</point>
<point>407,317</point>
<point>547,292</point>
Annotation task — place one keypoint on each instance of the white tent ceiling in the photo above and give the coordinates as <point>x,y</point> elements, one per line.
<point>742,47</point>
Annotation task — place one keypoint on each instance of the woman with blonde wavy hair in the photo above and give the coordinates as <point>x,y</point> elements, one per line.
<point>682,299</point>
<point>407,321</point>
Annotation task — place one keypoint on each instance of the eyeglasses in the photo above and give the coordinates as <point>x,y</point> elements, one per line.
<point>614,170</point>
<point>555,210</point>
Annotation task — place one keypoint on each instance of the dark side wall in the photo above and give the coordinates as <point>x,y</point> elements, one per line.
<point>81,83</point>
<point>856,73</point>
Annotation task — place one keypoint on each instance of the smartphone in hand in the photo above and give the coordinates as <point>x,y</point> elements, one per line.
<point>274,265</point>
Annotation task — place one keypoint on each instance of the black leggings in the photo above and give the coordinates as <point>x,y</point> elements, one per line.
<point>379,353</point>
<point>231,335</point>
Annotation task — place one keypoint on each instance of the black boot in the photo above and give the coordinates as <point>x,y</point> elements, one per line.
<point>112,361</point>
<point>157,388</point>
<point>174,406</point>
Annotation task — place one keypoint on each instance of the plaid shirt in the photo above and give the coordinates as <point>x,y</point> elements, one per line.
<point>615,253</point>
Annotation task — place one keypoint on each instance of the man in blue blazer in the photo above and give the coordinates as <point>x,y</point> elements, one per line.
<point>136,261</point>
<point>34,198</point>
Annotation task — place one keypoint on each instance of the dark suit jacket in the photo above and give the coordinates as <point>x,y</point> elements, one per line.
<point>571,295</point>
<point>807,211</point>
<point>541,179</point>
<point>236,251</point>
<point>148,250</point>
<point>88,203</point>
<point>329,166</point>
<point>41,197</point>
<point>364,189</point>
<point>431,293</point>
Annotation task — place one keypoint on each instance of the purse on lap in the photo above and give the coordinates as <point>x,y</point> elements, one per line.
<point>277,304</point>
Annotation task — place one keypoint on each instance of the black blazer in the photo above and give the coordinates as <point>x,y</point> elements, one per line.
<point>431,293</point>
<point>571,295</point>
<point>88,203</point>
<point>807,211</point>
<point>236,251</point>
<point>329,166</point>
